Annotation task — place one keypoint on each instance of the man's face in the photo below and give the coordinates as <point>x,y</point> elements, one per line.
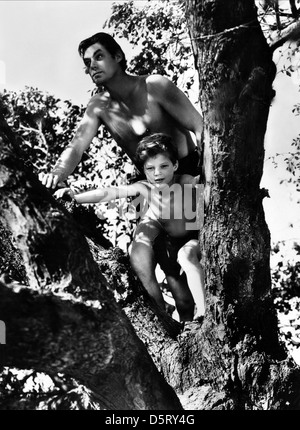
<point>100,64</point>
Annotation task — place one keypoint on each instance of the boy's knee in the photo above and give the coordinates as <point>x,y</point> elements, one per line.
<point>187,255</point>
<point>141,257</point>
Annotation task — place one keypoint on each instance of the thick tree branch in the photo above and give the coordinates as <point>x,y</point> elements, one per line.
<point>66,319</point>
<point>294,10</point>
<point>290,33</point>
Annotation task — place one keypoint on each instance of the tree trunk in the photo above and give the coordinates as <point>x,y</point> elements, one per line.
<point>64,319</point>
<point>241,356</point>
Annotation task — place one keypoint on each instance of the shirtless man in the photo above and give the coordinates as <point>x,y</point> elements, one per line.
<point>130,107</point>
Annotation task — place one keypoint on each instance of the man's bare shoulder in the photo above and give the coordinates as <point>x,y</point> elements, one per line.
<point>159,85</point>
<point>157,79</point>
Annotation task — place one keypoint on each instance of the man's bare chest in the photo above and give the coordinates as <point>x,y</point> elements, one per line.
<point>133,118</point>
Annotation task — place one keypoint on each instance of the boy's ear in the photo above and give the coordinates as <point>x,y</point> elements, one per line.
<point>176,166</point>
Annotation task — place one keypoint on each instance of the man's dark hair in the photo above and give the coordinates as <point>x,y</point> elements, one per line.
<point>109,44</point>
<point>154,144</point>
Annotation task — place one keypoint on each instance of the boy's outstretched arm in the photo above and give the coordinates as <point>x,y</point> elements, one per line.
<point>100,194</point>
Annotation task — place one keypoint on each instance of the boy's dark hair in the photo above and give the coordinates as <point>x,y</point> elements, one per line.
<point>109,44</point>
<point>154,144</point>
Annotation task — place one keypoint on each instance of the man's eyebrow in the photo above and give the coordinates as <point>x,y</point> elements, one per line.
<point>94,54</point>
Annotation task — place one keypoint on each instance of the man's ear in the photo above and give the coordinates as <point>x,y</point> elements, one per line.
<point>119,56</point>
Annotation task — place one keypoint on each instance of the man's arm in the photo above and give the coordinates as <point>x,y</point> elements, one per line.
<point>72,154</point>
<point>175,102</point>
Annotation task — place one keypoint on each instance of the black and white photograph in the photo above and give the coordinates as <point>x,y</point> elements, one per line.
<point>150,208</point>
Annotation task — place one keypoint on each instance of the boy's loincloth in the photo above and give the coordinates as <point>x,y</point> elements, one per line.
<point>166,250</point>
<point>151,233</point>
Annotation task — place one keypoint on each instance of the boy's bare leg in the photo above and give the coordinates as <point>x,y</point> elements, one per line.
<point>189,260</point>
<point>182,295</point>
<point>143,263</point>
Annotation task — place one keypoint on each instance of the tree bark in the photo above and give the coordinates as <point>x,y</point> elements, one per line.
<point>245,360</point>
<point>65,319</point>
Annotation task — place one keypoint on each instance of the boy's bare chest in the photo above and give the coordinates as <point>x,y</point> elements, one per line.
<point>171,203</point>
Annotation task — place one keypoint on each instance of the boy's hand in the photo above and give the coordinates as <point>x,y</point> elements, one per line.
<point>65,194</point>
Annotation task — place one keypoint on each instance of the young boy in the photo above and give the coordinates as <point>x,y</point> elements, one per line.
<point>169,200</point>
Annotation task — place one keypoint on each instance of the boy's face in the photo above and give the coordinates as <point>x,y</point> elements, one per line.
<point>159,170</point>
<point>100,64</point>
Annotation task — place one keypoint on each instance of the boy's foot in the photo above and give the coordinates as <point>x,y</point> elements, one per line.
<point>198,312</point>
<point>191,325</point>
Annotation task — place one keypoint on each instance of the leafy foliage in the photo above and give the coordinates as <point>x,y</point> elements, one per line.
<point>276,15</point>
<point>286,292</point>
<point>286,279</point>
<point>44,125</point>
<point>292,162</point>
<point>158,31</point>
<point>31,390</point>
<point>276,18</point>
